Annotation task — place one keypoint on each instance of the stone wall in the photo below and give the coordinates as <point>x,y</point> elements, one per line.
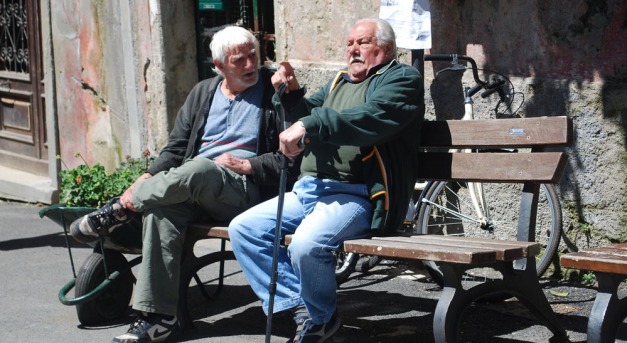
<point>122,69</point>
<point>563,57</point>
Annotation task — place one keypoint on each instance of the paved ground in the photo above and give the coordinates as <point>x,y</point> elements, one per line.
<point>393,303</point>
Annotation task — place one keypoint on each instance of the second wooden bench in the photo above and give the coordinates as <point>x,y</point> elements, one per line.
<point>609,264</point>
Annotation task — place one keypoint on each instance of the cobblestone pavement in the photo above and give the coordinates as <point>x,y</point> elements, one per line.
<point>392,303</point>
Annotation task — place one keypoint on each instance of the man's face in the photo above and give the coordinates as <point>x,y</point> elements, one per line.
<point>363,51</point>
<point>240,68</point>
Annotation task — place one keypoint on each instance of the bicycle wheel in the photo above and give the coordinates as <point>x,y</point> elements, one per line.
<point>344,265</point>
<point>447,209</point>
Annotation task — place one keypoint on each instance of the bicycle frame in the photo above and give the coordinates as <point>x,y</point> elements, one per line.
<point>475,189</point>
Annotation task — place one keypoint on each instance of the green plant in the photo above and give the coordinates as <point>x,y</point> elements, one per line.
<point>93,186</point>
<point>588,278</point>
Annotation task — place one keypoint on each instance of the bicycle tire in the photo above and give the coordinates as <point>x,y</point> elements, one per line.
<point>503,202</point>
<point>344,265</point>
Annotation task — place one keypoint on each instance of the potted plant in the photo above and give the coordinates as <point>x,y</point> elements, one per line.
<point>86,188</point>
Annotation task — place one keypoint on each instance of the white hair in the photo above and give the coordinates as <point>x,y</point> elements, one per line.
<point>385,34</point>
<point>229,38</point>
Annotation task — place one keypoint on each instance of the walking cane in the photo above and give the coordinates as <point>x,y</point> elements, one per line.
<point>279,219</point>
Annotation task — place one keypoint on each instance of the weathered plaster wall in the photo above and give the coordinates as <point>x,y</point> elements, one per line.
<point>120,77</point>
<point>564,57</point>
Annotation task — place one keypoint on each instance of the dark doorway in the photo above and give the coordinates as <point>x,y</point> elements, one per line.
<point>23,143</point>
<point>211,15</point>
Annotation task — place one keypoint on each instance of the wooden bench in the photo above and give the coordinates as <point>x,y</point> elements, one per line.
<point>515,260</point>
<point>609,264</point>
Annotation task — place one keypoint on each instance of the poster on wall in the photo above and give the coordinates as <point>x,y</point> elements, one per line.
<point>411,20</point>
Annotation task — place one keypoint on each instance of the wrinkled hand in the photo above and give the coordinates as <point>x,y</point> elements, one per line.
<point>285,74</point>
<point>238,165</point>
<point>289,140</point>
<point>126,200</point>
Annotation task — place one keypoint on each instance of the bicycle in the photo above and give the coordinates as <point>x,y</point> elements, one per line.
<point>485,209</point>
<point>464,208</point>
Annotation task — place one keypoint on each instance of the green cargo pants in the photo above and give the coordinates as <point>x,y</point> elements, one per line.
<point>169,202</point>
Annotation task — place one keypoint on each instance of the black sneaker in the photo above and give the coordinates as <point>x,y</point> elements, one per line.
<point>151,328</point>
<point>99,223</point>
<point>308,332</point>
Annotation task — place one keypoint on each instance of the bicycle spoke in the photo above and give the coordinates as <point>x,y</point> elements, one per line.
<point>448,210</point>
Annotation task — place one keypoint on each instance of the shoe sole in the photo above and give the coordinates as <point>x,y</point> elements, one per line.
<point>78,235</point>
<point>332,331</point>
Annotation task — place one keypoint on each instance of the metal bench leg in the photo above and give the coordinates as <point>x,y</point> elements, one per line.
<point>189,271</point>
<point>453,300</point>
<point>527,290</point>
<point>608,311</point>
<point>521,284</point>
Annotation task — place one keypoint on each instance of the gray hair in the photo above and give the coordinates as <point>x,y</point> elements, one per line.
<point>385,33</point>
<point>229,38</point>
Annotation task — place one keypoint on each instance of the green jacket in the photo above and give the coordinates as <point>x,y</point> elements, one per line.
<point>386,128</point>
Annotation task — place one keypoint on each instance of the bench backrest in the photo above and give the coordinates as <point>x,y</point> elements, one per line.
<point>537,166</point>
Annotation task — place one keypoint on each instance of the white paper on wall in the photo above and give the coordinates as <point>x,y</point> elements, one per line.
<point>411,20</point>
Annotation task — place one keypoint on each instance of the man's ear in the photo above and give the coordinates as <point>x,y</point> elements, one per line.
<point>389,51</point>
<point>218,65</point>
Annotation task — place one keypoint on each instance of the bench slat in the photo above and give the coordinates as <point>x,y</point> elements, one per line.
<point>519,132</point>
<point>208,230</point>
<point>426,251</point>
<point>545,167</point>
<point>505,250</point>
<point>608,259</point>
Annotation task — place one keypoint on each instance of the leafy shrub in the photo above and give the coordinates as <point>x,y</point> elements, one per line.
<point>93,186</point>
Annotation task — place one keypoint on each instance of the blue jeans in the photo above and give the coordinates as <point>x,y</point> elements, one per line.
<point>321,215</point>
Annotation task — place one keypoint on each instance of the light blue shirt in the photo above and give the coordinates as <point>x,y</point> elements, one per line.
<point>233,125</point>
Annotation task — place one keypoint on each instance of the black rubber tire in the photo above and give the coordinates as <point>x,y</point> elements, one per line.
<point>367,262</point>
<point>551,206</point>
<point>113,301</point>
<point>344,265</point>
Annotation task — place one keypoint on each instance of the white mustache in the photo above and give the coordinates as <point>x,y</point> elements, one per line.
<point>356,59</point>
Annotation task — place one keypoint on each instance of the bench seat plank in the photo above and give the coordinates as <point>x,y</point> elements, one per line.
<point>608,259</point>
<point>505,250</point>
<point>411,249</point>
<point>208,230</point>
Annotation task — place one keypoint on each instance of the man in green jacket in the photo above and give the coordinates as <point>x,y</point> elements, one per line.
<point>359,162</point>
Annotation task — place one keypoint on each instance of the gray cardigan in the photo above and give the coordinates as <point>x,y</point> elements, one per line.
<point>185,137</point>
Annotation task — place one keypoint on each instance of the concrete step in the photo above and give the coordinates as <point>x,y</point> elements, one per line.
<point>27,187</point>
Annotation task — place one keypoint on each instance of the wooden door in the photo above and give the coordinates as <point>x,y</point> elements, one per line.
<point>23,143</point>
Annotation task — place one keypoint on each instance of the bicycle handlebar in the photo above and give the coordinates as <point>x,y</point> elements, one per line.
<point>495,86</point>
<point>498,84</point>
<point>454,58</point>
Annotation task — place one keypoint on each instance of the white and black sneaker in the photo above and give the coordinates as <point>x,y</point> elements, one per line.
<point>101,222</point>
<point>150,328</point>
